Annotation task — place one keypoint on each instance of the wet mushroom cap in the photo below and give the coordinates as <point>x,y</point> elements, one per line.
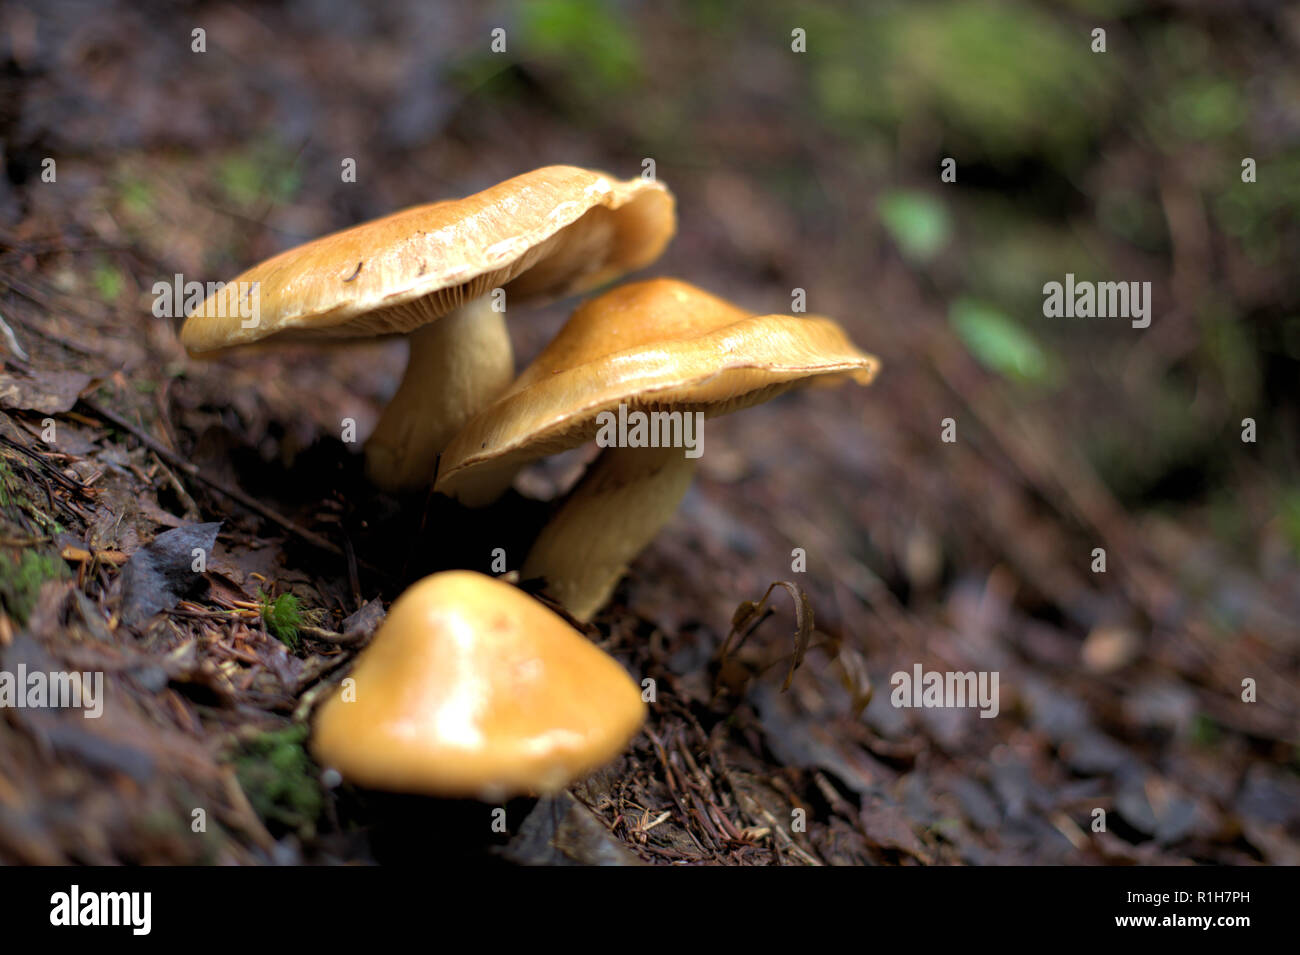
<point>659,344</point>
<point>471,688</point>
<point>546,233</point>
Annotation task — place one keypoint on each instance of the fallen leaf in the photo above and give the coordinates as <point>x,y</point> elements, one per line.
<point>51,392</point>
<point>160,574</point>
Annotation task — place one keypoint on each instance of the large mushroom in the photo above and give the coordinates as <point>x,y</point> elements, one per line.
<point>659,346</point>
<point>471,688</point>
<point>426,272</point>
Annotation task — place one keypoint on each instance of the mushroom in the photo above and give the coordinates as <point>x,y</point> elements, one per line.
<point>471,688</point>
<point>426,272</point>
<point>659,346</point>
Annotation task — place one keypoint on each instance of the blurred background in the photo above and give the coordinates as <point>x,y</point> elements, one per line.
<point>817,170</point>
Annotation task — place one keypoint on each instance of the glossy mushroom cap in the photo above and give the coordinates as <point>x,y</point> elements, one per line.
<point>660,344</point>
<point>545,234</point>
<point>471,688</point>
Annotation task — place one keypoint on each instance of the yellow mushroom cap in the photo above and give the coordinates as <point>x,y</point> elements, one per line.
<point>651,345</point>
<point>546,233</point>
<point>472,688</point>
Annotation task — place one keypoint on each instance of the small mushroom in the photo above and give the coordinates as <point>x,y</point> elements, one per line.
<point>655,346</point>
<point>426,272</point>
<point>471,688</point>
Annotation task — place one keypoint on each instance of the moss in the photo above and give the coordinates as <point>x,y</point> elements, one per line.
<point>1205,731</point>
<point>108,281</point>
<point>279,779</point>
<point>1000,79</point>
<point>137,197</point>
<point>24,522</point>
<point>264,172</point>
<point>19,508</point>
<point>1200,109</point>
<point>283,616</point>
<point>21,581</point>
<point>587,39</point>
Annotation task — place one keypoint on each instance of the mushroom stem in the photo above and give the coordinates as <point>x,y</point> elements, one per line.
<point>623,500</point>
<point>457,366</point>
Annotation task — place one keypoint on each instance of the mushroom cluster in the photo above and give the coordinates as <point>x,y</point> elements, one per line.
<point>471,687</point>
<point>426,273</point>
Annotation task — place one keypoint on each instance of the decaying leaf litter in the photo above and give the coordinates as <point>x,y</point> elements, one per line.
<point>1119,691</point>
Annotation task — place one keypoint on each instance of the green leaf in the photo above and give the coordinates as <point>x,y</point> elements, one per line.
<point>918,223</point>
<point>998,343</point>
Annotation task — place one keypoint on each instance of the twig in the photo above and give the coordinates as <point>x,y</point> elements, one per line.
<point>353,579</point>
<point>37,296</point>
<point>11,340</point>
<point>750,615</point>
<point>207,614</point>
<point>346,639</point>
<point>670,778</point>
<point>191,508</point>
<point>67,482</point>
<point>193,471</point>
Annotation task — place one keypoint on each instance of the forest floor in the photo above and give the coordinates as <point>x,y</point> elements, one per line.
<point>1120,691</point>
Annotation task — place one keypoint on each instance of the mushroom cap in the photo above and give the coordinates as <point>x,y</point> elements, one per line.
<point>472,688</point>
<point>660,344</point>
<point>545,234</point>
